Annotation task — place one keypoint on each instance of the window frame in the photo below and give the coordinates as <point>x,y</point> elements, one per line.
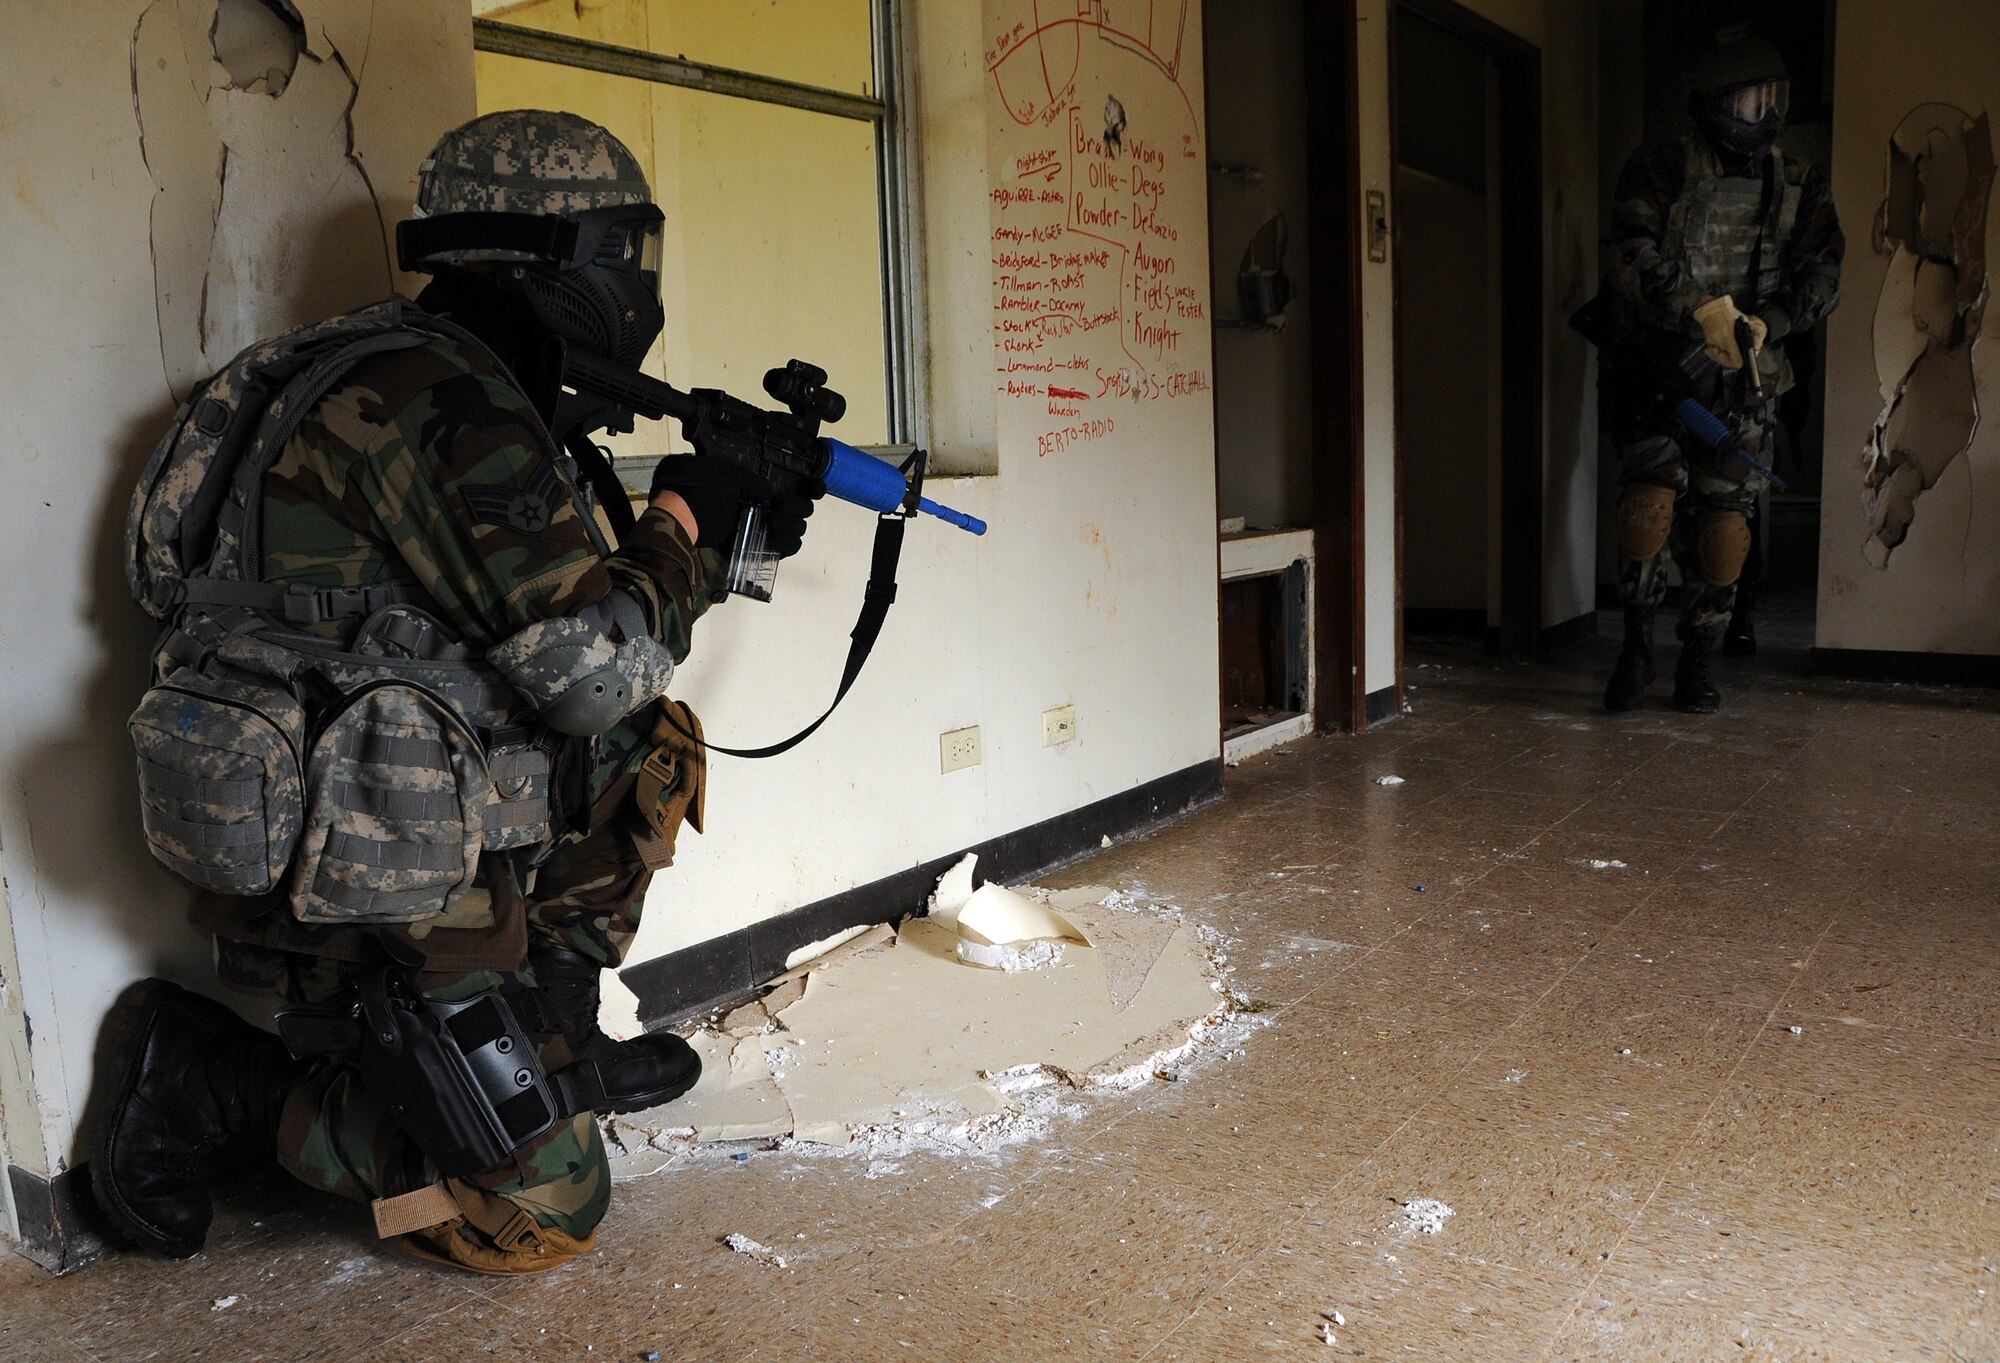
<point>896,161</point>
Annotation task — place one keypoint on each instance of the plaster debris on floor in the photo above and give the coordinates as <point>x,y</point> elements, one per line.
<point>971,1057</point>
<point>1424,1215</point>
<point>755,1249</point>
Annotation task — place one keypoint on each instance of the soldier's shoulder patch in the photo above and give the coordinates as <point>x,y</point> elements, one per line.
<point>529,510</point>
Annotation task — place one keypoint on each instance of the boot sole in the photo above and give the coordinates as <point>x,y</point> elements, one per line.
<point>664,1094</point>
<point>130,1029</point>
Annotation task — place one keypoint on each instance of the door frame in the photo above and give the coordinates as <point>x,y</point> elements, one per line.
<point>1523,325</point>
<point>1333,122</point>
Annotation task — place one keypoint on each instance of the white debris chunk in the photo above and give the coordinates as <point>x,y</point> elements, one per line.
<point>1105,841</point>
<point>1335,1316</point>
<point>1425,1215</point>
<point>1326,1335</point>
<point>1796,1031</point>
<point>1388,780</point>
<point>757,1250</point>
<point>223,1303</point>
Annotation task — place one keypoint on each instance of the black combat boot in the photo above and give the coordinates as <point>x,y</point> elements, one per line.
<point>615,1076</point>
<point>200,1094</point>
<point>1740,639</point>
<point>1693,693</point>
<point>1634,669</point>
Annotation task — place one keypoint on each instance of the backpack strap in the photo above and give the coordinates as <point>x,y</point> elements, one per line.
<point>297,604</point>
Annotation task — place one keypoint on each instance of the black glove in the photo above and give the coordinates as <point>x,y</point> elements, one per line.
<point>716,492</point>
<point>785,518</point>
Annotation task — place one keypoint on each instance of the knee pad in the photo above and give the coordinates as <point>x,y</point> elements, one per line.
<point>1721,546</point>
<point>1645,519</point>
<point>485,1232</point>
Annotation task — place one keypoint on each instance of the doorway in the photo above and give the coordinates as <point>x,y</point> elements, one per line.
<point>1284,217</point>
<point>1466,146</point>
<point>1782,574</point>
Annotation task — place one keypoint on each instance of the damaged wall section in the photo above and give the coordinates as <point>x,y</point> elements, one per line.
<point>125,209</point>
<point>1910,519</point>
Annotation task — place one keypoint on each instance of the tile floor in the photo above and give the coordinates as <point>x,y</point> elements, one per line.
<point>1732,1096</point>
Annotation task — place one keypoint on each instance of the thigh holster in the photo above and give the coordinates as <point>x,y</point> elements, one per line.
<point>461,1079</point>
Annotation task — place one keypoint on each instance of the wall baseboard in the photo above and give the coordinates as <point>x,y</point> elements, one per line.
<point>1924,669</point>
<point>61,1227</point>
<point>1571,631</point>
<point>683,983</point>
<point>1381,706</point>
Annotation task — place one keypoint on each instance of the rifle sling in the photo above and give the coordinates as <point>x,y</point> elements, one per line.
<point>875,603</point>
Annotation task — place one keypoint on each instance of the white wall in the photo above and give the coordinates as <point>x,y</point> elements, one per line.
<point>1096,585</point>
<point>1940,591</point>
<point>90,359</point>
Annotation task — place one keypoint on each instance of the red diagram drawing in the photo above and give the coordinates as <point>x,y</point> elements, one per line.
<point>1034,61</point>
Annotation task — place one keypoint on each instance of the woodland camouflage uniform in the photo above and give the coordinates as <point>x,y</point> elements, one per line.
<point>1683,229</point>
<point>430,465</point>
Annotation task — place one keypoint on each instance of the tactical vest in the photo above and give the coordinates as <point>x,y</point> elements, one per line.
<point>1715,224</point>
<point>368,772</point>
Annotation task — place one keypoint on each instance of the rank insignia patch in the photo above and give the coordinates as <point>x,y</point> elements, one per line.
<point>528,510</point>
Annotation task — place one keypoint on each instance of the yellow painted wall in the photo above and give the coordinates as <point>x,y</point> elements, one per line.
<point>745,186</point>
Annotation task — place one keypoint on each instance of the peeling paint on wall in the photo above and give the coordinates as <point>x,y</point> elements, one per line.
<point>263,217</point>
<point>1932,225</point>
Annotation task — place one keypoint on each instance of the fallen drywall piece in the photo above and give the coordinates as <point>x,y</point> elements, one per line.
<point>736,1099</point>
<point>954,889</point>
<point>999,929</point>
<point>845,945</point>
<point>1127,944</point>
<point>812,951</point>
<point>901,1048</point>
<point>617,1008</point>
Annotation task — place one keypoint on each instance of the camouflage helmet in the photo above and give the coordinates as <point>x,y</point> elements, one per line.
<point>539,162</point>
<point>1739,93</point>
<point>1733,64</point>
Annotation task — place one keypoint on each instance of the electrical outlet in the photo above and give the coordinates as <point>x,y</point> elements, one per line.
<point>1058,725</point>
<point>959,749</point>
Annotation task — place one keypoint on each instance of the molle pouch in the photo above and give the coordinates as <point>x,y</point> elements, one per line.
<point>522,770</point>
<point>396,798</point>
<point>672,786</point>
<point>219,777</point>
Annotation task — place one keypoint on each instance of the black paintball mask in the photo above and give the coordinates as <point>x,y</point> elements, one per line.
<point>591,277</point>
<point>1745,120</point>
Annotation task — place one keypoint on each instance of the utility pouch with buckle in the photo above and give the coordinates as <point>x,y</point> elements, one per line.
<point>220,781</point>
<point>396,797</point>
<point>672,785</point>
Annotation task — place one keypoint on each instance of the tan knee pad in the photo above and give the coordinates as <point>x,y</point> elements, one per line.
<point>1645,519</point>
<point>485,1233</point>
<point>1721,544</point>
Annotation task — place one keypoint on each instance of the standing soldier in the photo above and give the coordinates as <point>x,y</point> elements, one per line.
<point>406,735</point>
<point>1720,238</point>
